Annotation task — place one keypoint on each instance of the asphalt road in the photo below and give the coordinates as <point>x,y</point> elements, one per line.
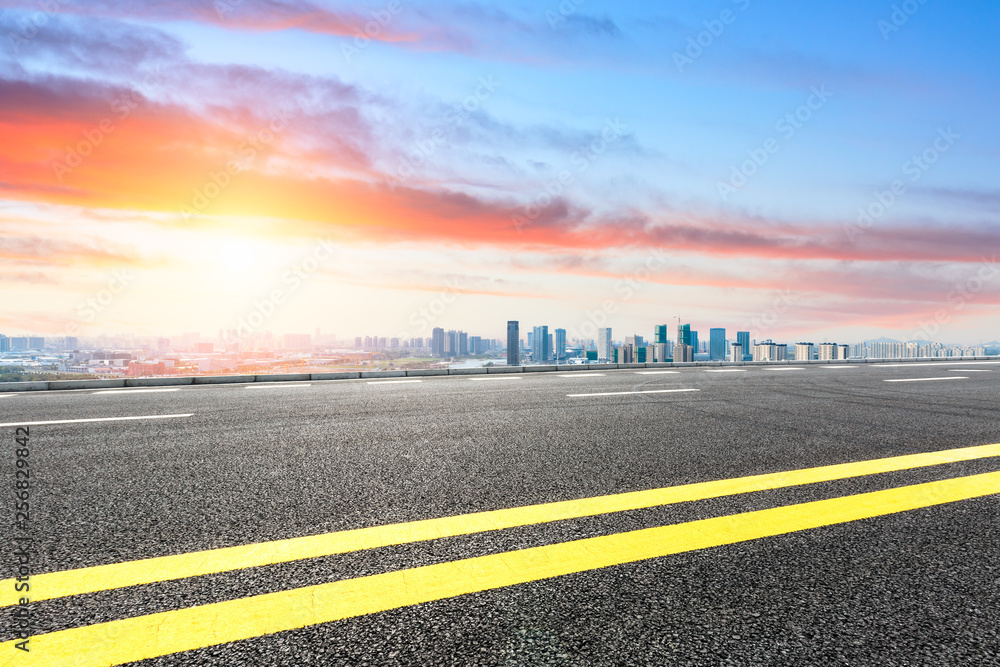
<point>253,465</point>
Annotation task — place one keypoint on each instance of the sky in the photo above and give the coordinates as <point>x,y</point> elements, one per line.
<point>813,172</point>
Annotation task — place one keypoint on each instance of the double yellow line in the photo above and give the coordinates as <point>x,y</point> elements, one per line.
<point>154,635</point>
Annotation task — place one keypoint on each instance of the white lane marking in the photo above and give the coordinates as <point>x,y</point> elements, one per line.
<point>7,395</point>
<point>786,368</point>
<point>582,375</point>
<point>625,393</point>
<point>393,381</point>
<point>921,364</point>
<point>656,372</point>
<point>950,377</point>
<point>275,385</point>
<point>969,370</point>
<point>96,419</point>
<point>726,370</point>
<point>502,377</point>
<point>132,391</point>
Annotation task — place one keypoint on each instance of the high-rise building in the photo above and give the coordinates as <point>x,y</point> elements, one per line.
<point>437,342</point>
<point>803,351</point>
<point>661,353</point>
<point>743,338</point>
<point>513,343</point>
<point>736,352</point>
<point>4,343</point>
<point>683,352</point>
<point>660,334</point>
<point>295,341</point>
<point>540,344</point>
<point>19,343</point>
<point>843,351</point>
<point>463,343</point>
<point>604,344</point>
<point>717,345</point>
<point>694,342</point>
<point>559,345</point>
<point>827,351</point>
<point>71,343</point>
<point>684,334</point>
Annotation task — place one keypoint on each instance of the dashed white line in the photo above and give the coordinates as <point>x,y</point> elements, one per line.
<point>950,377</point>
<point>394,381</point>
<point>626,393</point>
<point>582,375</point>
<point>922,364</point>
<point>133,391</point>
<point>657,372</point>
<point>969,370</point>
<point>502,377</point>
<point>276,385</point>
<point>7,395</point>
<point>726,370</point>
<point>96,419</point>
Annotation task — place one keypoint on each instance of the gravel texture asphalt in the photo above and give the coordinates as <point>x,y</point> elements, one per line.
<point>253,465</point>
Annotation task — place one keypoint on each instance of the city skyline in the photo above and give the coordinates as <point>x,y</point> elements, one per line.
<point>249,164</point>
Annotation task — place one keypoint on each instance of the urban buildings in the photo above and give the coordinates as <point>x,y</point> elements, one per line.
<point>743,339</point>
<point>559,349</point>
<point>803,351</point>
<point>604,344</point>
<point>513,343</point>
<point>540,344</point>
<point>717,344</point>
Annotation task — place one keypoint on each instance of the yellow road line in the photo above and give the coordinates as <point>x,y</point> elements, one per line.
<point>169,632</point>
<point>180,566</point>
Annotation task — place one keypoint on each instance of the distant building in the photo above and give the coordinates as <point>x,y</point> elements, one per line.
<point>661,354</point>
<point>743,339</point>
<point>205,348</point>
<point>660,334</point>
<point>604,344</point>
<point>463,343</point>
<point>843,352</point>
<point>827,351</point>
<point>18,343</point>
<point>559,343</point>
<point>437,342</point>
<point>4,344</point>
<point>684,334</point>
<point>145,368</point>
<point>71,343</point>
<point>770,351</point>
<point>291,341</point>
<point>736,352</point>
<point>683,352</point>
<point>803,351</point>
<point>513,343</point>
<point>540,344</point>
<point>358,342</point>
<point>717,345</point>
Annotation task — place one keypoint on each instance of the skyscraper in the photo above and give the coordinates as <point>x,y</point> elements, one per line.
<point>660,334</point>
<point>559,350</point>
<point>717,344</point>
<point>604,344</point>
<point>684,334</point>
<point>540,344</point>
<point>437,342</point>
<point>743,338</point>
<point>513,343</point>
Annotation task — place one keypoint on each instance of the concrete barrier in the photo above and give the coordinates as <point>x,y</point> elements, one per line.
<point>285,377</point>
<point>59,385</point>
<point>222,379</point>
<point>383,374</point>
<point>539,369</point>
<point>426,372</point>
<point>344,375</point>
<point>467,371</point>
<point>505,369</point>
<point>158,382</point>
<point>23,386</point>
